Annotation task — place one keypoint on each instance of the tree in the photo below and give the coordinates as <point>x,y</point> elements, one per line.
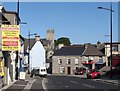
<point>63,40</point>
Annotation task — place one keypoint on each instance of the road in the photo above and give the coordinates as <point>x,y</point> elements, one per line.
<point>75,83</point>
<point>51,83</point>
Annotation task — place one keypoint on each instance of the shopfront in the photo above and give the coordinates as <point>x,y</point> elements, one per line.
<point>1,72</point>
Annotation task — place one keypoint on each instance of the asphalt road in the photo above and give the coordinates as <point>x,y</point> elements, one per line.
<point>75,83</point>
<point>37,84</point>
<point>67,83</point>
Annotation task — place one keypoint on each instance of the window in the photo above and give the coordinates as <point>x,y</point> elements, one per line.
<point>76,62</point>
<point>101,59</point>
<point>60,61</point>
<point>114,47</point>
<point>68,61</point>
<point>62,70</point>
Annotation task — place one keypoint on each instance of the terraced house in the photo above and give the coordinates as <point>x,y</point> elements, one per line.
<point>67,59</point>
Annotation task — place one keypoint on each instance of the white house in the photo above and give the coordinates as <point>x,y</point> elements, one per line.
<point>37,53</point>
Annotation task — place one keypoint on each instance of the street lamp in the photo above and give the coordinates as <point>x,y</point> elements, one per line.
<point>110,35</point>
<point>29,50</point>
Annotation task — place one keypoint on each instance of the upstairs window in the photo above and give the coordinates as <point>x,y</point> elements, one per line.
<point>68,61</point>
<point>114,47</point>
<point>59,61</point>
<point>76,62</point>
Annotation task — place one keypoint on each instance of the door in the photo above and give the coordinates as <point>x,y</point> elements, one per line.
<point>68,70</point>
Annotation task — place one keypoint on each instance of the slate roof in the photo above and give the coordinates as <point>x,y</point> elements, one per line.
<point>45,42</point>
<point>13,12</point>
<point>33,41</point>
<point>3,18</point>
<point>70,50</point>
<point>26,43</point>
<point>102,46</point>
<point>92,51</point>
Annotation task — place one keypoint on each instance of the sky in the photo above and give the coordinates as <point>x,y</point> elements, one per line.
<point>81,22</point>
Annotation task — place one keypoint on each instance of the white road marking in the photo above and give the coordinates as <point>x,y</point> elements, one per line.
<point>74,82</point>
<point>101,81</point>
<point>43,83</point>
<point>29,85</point>
<point>66,86</point>
<point>88,85</point>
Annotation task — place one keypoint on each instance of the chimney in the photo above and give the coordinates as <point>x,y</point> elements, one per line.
<point>37,38</point>
<point>86,45</point>
<point>98,44</point>
<point>60,46</point>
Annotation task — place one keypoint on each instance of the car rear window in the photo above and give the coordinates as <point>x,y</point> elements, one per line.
<point>42,69</point>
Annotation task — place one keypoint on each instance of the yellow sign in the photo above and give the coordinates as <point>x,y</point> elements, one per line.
<point>10,37</point>
<point>1,69</point>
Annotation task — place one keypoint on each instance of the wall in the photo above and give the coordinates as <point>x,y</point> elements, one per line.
<point>56,66</point>
<point>94,59</point>
<point>37,55</point>
<point>10,18</point>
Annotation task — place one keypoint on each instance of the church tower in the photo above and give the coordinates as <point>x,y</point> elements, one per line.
<point>50,36</point>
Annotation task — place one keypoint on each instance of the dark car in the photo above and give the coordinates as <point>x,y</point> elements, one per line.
<point>93,73</point>
<point>79,71</point>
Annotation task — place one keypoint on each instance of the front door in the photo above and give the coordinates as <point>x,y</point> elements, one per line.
<point>68,70</point>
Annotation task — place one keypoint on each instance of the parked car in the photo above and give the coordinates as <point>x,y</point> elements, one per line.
<point>93,73</point>
<point>80,71</point>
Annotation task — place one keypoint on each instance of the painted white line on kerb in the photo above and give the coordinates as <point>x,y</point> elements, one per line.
<point>74,82</point>
<point>88,85</point>
<point>43,83</point>
<point>29,85</point>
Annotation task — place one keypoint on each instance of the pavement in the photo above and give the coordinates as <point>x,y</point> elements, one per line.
<point>18,84</point>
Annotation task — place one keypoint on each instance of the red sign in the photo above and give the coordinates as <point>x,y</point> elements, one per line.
<point>84,62</point>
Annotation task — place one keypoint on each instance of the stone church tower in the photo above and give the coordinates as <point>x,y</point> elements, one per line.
<point>50,36</point>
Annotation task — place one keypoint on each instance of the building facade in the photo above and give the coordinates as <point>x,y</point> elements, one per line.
<point>9,57</point>
<point>37,53</point>
<point>66,59</point>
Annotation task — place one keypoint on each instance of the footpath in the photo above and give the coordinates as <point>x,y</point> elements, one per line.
<point>19,84</point>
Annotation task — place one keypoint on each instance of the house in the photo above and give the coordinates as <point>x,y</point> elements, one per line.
<point>115,52</point>
<point>3,20</point>
<point>37,53</point>
<point>92,57</point>
<point>10,58</point>
<point>66,59</point>
<point>21,54</point>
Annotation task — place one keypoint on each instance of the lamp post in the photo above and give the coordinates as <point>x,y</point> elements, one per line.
<point>110,35</point>
<point>29,50</point>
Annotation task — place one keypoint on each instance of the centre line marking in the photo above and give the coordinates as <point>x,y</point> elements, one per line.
<point>74,82</point>
<point>88,85</point>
